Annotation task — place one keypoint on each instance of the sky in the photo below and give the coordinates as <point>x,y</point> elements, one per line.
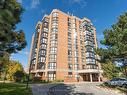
<point>102,13</point>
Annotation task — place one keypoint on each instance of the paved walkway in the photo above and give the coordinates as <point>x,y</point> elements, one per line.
<point>41,89</point>
<point>72,89</point>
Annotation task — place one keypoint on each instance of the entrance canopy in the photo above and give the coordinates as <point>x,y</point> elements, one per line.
<point>90,71</point>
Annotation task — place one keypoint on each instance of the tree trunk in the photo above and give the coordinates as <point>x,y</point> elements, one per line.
<point>125,66</point>
<point>5,76</point>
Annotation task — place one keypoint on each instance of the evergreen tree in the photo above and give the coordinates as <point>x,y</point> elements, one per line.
<point>115,41</point>
<point>11,40</point>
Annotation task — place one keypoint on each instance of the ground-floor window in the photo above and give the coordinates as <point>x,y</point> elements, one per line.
<point>51,76</point>
<point>70,74</point>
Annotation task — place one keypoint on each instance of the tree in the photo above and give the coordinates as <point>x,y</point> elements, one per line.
<point>9,68</point>
<point>4,62</point>
<point>11,40</point>
<point>12,68</point>
<point>110,70</point>
<point>18,75</point>
<point>115,41</point>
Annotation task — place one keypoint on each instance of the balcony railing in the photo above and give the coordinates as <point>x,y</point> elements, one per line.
<point>90,68</point>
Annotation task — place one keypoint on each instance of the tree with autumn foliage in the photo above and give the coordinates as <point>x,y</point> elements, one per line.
<point>12,68</point>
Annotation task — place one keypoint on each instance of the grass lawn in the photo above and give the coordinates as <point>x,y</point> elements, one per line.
<point>14,89</point>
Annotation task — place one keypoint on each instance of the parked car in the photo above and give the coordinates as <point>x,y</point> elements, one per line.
<point>122,82</point>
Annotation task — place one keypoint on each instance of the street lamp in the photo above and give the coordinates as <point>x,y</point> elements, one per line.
<point>28,77</point>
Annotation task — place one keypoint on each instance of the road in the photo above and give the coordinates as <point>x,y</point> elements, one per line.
<point>72,89</point>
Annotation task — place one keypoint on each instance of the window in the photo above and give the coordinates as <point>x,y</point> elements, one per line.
<point>73,20</point>
<point>45,30</point>
<point>76,66</point>
<point>53,50</point>
<point>69,52</point>
<point>89,48</point>
<point>54,29</point>
<point>52,57</point>
<point>55,24</point>
<point>91,66</point>
<point>69,46</point>
<point>70,66</point>
<point>82,54</point>
<point>43,46</point>
<point>90,54</point>
<point>70,74</point>
<point>55,14</point>
<point>89,43</point>
<point>42,59</point>
<point>53,44</point>
<point>45,24</point>
<point>76,59</point>
<point>73,25</point>
<point>52,65</point>
<point>51,76</point>
<point>69,59</point>
<point>33,61</point>
<point>43,40</point>
<point>69,36</point>
<point>90,61</point>
<point>55,19</point>
<point>42,52</point>
<point>38,30</point>
<point>53,41</point>
<point>76,53</point>
<point>44,35</point>
<point>83,60</point>
<point>69,19</point>
<point>46,19</point>
<point>41,66</point>
<point>53,36</point>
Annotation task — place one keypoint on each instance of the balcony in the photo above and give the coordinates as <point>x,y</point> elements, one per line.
<point>33,71</point>
<point>40,70</point>
<point>90,71</point>
<point>90,68</point>
<point>51,69</point>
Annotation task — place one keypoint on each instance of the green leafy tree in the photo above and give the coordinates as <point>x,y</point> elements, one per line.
<point>4,62</point>
<point>18,76</point>
<point>11,40</point>
<point>110,70</point>
<point>12,68</point>
<point>115,41</point>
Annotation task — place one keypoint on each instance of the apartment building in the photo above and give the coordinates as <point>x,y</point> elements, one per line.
<point>62,48</point>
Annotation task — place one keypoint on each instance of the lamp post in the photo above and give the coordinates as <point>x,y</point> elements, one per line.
<point>28,77</point>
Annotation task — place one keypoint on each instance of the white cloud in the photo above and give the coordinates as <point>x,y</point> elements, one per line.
<point>82,3</point>
<point>35,3</point>
<point>24,53</point>
<point>95,20</point>
<point>20,1</point>
<point>77,1</point>
<point>43,11</point>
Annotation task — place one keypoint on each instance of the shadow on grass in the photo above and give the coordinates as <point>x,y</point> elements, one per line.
<point>63,89</point>
<point>14,89</point>
<point>121,89</point>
